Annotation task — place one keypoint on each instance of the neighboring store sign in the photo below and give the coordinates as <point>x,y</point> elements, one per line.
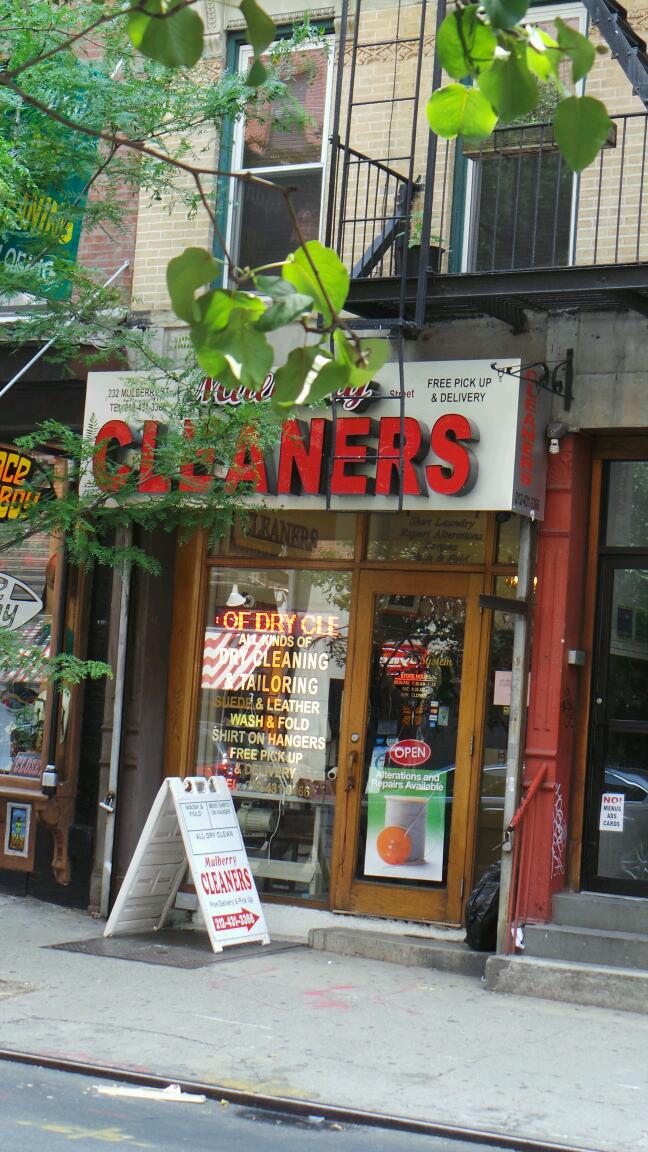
<point>49,220</point>
<point>47,231</point>
<point>406,813</point>
<point>192,821</point>
<point>18,472</point>
<point>18,603</point>
<point>471,439</point>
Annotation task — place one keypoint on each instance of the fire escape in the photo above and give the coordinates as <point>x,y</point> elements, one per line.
<point>503,226</point>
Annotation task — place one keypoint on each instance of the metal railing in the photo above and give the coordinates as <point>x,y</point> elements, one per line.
<point>370,213</point>
<point>508,203</point>
<point>520,833</point>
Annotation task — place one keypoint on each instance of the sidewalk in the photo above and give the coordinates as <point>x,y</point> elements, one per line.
<point>335,1029</point>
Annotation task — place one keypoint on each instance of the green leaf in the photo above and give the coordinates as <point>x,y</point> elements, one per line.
<point>505,13</point>
<point>330,378</point>
<point>291,377</point>
<point>465,44</point>
<point>257,75</point>
<point>284,311</point>
<point>164,32</point>
<point>363,362</point>
<point>580,50</point>
<point>543,55</point>
<point>509,86</point>
<point>260,28</point>
<point>581,127</point>
<point>185,274</point>
<point>298,271</point>
<point>459,111</point>
<point>274,286</point>
<point>214,309</point>
<point>237,354</point>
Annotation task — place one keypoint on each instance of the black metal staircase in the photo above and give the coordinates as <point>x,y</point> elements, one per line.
<point>624,43</point>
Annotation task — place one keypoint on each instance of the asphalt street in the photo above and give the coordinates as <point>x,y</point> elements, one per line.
<point>42,1110</point>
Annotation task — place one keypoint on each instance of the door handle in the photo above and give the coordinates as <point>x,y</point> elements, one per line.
<point>351,763</point>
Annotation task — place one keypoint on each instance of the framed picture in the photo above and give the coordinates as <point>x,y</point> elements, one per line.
<point>17,829</point>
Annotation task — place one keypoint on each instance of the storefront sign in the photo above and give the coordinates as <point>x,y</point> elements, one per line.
<point>410,753</point>
<point>270,674</point>
<point>18,473</point>
<point>612,806</point>
<point>18,603</point>
<point>469,438</point>
<point>48,221</point>
<point>48,230</point>
<point>192,821</point>
<point>27,765</point>
<point>406,814</point>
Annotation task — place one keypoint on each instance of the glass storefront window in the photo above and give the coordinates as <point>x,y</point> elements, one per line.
<point>627,506</point>
<point>272,680</point>
<point>292,535</point>
<point>436,537</point>
<point>623,819</point>
<point>23,694</point>
<point>416,660</point>
<point>490,820</point>
<point>508,540</point>
<point>628,645</point>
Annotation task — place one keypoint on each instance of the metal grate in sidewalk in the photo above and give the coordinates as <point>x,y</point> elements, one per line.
<point>173,949</point>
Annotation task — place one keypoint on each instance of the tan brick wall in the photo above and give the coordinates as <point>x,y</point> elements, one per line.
<point>164,230</point>
<point>165,226</point>
<point>607,230</point>
<point>382,129</point>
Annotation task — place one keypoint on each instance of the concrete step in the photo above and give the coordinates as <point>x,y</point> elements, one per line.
<point>595,910</point>
<point>620,989</point>
<point>415,952</point>
<point>587,945</point>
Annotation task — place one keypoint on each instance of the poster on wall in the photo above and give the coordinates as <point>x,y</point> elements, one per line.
<point>17,829</point>
<point>406,813</point>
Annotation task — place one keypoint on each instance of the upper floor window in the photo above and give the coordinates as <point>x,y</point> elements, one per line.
<point>521,199</point>
<point>287,144</point>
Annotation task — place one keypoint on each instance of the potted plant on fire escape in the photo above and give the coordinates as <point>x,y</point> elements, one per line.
<point>409,240</point>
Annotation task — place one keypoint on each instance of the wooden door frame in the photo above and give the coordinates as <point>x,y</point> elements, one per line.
<point>349,894</point>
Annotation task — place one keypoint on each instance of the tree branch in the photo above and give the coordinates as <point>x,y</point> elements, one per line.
<point>84,33</point>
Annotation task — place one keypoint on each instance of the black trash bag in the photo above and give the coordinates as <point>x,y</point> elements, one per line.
<point>480,916</point>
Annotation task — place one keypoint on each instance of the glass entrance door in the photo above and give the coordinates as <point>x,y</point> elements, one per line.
<point>616,832</point>
<point>407,747</point>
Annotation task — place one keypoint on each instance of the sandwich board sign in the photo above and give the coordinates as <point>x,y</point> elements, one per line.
<point>192,821</point>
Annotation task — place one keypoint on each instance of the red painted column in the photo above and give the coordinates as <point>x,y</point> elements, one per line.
<point>554,688</point>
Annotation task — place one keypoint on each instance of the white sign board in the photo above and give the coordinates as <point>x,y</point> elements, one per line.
<point>192,821</point>
<point>474,439</point>
<point>612,805</point>
<point>502,688</point>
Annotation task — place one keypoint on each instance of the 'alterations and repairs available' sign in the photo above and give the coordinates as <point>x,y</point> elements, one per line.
<point>460,435</point>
